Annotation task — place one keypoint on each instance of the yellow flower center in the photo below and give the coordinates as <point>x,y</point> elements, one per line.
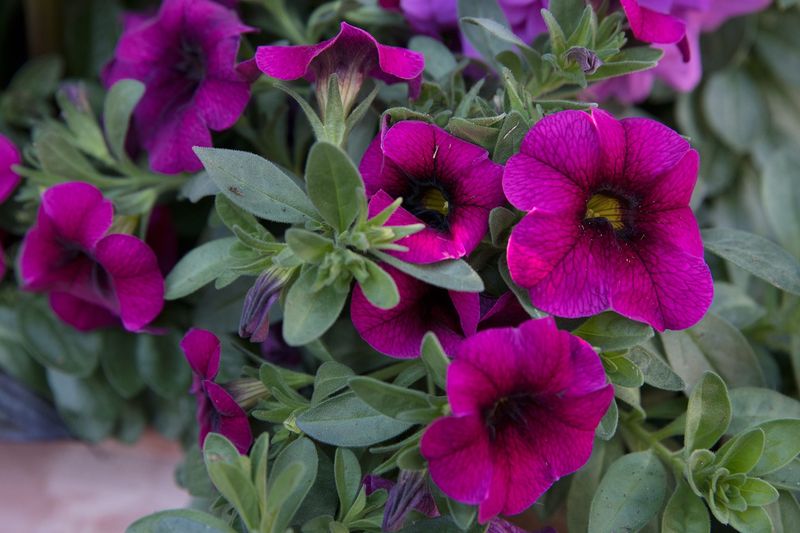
<point>602,206</point>
<point>433,199</point>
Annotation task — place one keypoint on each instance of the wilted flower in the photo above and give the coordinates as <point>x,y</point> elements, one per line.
<point>446,183</point>
<point>254,322</point>
<point>353,55</point>
<point>217,411</point>
<point>526,402</point>
<point>608,223</point>
<point>451,315</point>
<point>94,279</point>
<point>186,57</point>
<point>409,493</point>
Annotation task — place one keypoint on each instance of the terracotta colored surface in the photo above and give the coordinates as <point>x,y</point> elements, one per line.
<point>70,487</point>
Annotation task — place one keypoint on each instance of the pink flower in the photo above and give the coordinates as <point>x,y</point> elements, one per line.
<point>217,411</point>
<point>526,402</point>
<point>652,26</point>
<point>9,156</point>
<point>608,223</point>
<point>186,57</point>
<point>447,184</point>
<point>451,315</point>
<point>95,279</point>
<point>352,55</point>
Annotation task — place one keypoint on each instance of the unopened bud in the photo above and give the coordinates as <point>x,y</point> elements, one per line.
<point>254,323</point>
<point>585,58</point>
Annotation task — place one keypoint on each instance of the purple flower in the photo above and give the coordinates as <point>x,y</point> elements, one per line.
<point>446,183</point>
<point>352,55</point>
<point>608,223</point>
<point>254,322</point>
<point>526,402</point>
<point>276,351</point>
<point>653,26</point>
<point>410,493</point>
<point>9,156</point>
<point>451,315</point>
<point>217,411</point>
<point>186,57</point>
<point>94,279</point>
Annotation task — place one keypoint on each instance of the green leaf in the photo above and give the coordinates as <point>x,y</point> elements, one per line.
<point>162,365</point>
<point>782,444</point>
<point>584,485</point>
<point>88,406</point>
<point>307,313</point>
<point>509,138</point>
<point>197,268</point>
<point>633,59</point>
<point>56,345</point>
<point>685,512</point>
<point>567,13</point>
<point>735,108</point>
<point>434,359</point>
<point>630,494</point>
<point>740,454</point>
<point>379,287</point>
<point>758,493</point>
<point>656,372</point>
<point>180,521</point>
<point>439,60</point>
<point>487,44</point>
<point>752,406</point>
<point>348,479</point>
<point>230,473</point>
<point>331,377</point>
<point>87,135</point>
<point>494,29</point>
<point>608,424</point>
<point>732,303</point>
<point>753,520</point>
<point>500,222</point>
<point>610,332</point>
<point>781,198</point>
<point>708,414</point>
<point>787,478</point>
<point>256,185</point>
<point>286,495</point>
<point>334,185</point>
<point>386,398</point>
<point>120,102</point>
<point>232,216</point>
<point>118,359</point>
<point>345,420</point>
<point>259,465</point>
<point>452,274</point>
<point>309,246</point>
<point>757,255</point>
<point>621,371</point>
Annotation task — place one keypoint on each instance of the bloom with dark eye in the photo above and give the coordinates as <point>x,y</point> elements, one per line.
<point>608,224</point>
<point>526,402</point>
<point>94,279</point>
<point>186,57</point>
<point>446,183</point>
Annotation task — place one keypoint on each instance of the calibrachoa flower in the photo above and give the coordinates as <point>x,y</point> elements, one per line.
<point>95,279</point>
<point>217,411</point>
<point>186,57</point>
<point>526,402</point>
<point>9,156</point>
<point>451,315</point>
<point>352,55</point>
<point>608,223</point>
<point>446,183</point>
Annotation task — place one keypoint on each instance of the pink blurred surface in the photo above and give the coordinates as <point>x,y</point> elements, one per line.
<point>72,487</point>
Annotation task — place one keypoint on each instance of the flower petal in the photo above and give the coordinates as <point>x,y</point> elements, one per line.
<point>81,314</point>
<point>9,156</point>
<point>232,420</point>
<point>202,350</point>
<point>652,150</point>
<point>78,212</point>
<point>651,26</point>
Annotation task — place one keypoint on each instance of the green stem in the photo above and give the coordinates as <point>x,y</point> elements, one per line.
<point>390,371</point>
<point>651,441</point>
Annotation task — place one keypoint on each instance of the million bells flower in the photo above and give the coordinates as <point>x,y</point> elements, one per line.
<point>608,224</point>
<point>186,57</point>
<point>526,402</point>
<point>448,184</point>
<point>217,411</point>
<point>95,279</point>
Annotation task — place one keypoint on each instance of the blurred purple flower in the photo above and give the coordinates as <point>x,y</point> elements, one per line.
<point>217,411</point>
<point>186,57</point>
<point>9,156</point>
<point>94,279</point>
<point>409,493</point>
<point>254,322</point>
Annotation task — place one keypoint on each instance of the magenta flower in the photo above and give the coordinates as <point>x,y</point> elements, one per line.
<point>608,223</point>
<point>352,55</point>
<point>451,315</point>
<point>186,57</point>
<point>653,26</point>
<point>446,183</point>
<point>95,279</point>
<point>9,156</point>
<point>217,411</point>
<point>526,402</point>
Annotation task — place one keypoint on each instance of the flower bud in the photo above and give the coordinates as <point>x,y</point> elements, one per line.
<point>585,58</point>
<point>254,323</point>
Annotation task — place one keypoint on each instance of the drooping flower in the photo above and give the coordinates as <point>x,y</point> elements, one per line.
<point>9,156</point>
<point>186,57</point>
<point>353,55</point>
<point>95,279</point>
<point>409,493</point>
<point>526,402</point>
<point>451,315</point>
<point>217,411</point>
<point>608,224</point>
<point>446,183</point>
